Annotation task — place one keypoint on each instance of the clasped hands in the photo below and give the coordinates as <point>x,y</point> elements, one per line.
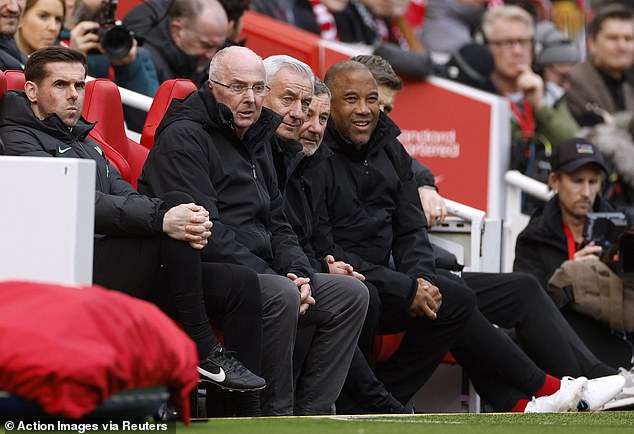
<point>188,222</point>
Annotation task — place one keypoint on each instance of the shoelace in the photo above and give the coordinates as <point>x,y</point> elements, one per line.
<point>230,362</point>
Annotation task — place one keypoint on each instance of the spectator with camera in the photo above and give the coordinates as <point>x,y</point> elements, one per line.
<point>182,35</point>
<point>555,235</point>
<point>10,55</point>
<point>94,32</point>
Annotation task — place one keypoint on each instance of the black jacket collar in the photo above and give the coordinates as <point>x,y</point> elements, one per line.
<point>16,109</point>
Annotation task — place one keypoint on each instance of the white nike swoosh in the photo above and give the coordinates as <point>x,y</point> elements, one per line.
<point>219,377</point>
<point>61,151</point>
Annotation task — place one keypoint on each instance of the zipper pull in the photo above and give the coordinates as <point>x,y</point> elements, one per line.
<point>255,175</point>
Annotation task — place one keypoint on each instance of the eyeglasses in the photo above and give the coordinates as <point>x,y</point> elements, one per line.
<point>241,88</point>
<point>510,43</point>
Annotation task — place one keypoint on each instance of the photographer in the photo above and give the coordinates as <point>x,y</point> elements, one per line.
<point>130,68</point>
<point>555,235</point>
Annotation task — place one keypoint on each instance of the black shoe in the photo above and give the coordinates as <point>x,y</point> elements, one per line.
<point>225,371</point>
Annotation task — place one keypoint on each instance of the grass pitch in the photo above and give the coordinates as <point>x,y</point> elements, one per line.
<point>573,423</point>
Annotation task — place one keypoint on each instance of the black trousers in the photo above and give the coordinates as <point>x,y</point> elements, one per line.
<point>228,294</point>
<point>426,341</point>
<point>517,301</point>
<point>501,372</point>
<point>133,265</point>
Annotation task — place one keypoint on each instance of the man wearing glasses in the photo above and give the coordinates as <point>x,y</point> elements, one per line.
<point>215,145</point>
<point>509,31</point>
<point>536,127</point>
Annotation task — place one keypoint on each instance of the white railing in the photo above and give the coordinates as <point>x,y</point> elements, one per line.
<point>135,99</point>
<point>515,221</point>
<point>476,234</point>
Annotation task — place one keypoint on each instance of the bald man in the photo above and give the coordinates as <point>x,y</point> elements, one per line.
<point>182,35</point>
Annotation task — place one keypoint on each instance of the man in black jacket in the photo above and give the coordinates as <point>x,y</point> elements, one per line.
<point>215,146</point>
<point>555,234</point>
<point>135,235</point>
<point>375,214</point>
<point>181,35</point>
<point>10,55</point>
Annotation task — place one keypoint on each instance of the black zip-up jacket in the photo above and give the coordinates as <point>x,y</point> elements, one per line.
<point>304,202</point>
<point>150,24</point>
<point>197,151</point>
<point>542,246</point>
<point>375,213</point>
<point>119,209</point>
<point>10,55</point>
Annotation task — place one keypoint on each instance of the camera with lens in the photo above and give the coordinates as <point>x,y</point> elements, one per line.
<point>610,231</point>
<point>116,40</point>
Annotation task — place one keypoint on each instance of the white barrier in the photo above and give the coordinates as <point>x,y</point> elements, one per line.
<point>47,219</point>
<point>475,233</point>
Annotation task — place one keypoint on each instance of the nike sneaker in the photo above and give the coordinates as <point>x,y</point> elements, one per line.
<point>565,399</point>
<point>599,391</point>
<point>222,369</point>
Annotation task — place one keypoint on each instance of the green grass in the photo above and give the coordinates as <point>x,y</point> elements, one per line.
<point>577,423</point>
<point>507,423</point>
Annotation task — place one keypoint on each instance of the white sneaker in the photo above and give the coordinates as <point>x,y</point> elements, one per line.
<point>598,391</point>
<point>629,380</point>
<point>565,399</point>
<point>620,401</point>
<point>626,397</point>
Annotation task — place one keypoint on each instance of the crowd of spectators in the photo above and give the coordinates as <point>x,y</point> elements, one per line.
<point>319,215</point>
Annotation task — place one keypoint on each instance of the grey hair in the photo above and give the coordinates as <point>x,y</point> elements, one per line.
<point>273,65</point>
<point>506,13</point>
<point>320,88</point>
<point>216,61</point>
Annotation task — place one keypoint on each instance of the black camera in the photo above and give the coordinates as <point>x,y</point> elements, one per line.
<point>116,40</point>
<point>610,231</point>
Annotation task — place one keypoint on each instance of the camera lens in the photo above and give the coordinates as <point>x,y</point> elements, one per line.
<point>117,42</point>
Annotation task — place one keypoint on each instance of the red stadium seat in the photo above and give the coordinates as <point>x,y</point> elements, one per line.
<point>15,79</point>
<point>386,345</point>
<point>170,89</point>
<point>3,84</point>
<point>103,105</point>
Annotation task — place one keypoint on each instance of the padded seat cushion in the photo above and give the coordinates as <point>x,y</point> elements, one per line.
<point>68,349</point>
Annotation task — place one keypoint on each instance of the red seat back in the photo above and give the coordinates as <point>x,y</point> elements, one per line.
<point>15,79</point>
<point>168,90</point>
<point>103,105</point>
<point>3,84</point>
